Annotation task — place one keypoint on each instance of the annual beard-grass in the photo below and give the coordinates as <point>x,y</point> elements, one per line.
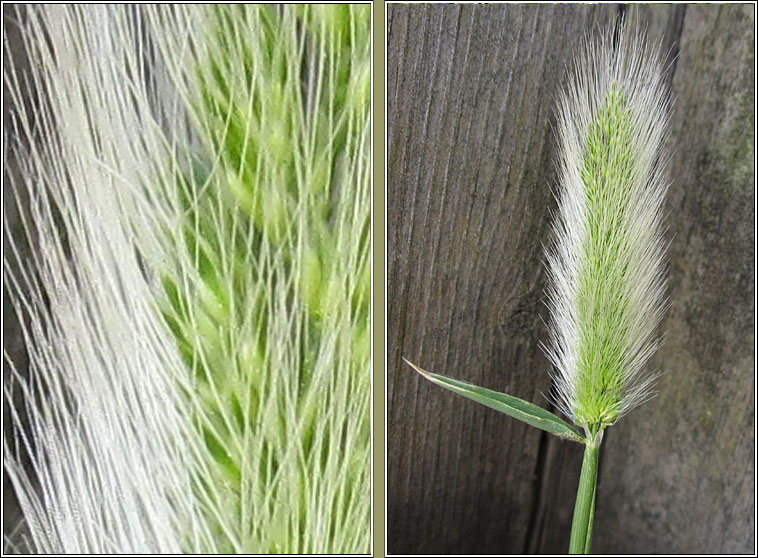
<point>605,263</point>
<point>193,274</point>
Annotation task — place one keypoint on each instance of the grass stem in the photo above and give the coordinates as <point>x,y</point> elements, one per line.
<point>584,510</point>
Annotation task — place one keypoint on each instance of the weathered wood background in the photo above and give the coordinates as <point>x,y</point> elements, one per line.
<point>470,91</point>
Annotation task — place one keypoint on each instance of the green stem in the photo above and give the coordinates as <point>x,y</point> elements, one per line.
<point>584,510</point>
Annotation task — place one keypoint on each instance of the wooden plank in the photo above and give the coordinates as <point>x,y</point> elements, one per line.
<point>470,96</point>
<point>678,476</point>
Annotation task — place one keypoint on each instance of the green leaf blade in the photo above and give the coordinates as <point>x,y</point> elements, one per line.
<point>507,404</point>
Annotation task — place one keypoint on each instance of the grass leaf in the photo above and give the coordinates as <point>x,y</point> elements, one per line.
<point>511,406</point>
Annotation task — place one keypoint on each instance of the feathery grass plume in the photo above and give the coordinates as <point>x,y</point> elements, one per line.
<point>198,299</point>
<point>605,264</point>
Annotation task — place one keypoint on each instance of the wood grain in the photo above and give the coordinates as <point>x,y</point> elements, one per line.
<point>470,92</point>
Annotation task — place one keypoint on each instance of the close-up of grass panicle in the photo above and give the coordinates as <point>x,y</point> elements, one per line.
<point>190,268</point>
<point>605,263</point>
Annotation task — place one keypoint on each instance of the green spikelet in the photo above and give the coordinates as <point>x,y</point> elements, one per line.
<point>607,291</point>
<point>275,232</point>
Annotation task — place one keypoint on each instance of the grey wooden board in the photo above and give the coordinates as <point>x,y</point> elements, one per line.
<point>471,90</point>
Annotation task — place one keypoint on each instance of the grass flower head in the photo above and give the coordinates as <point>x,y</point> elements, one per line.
<point>606,260</point>
<point>198,299</point>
